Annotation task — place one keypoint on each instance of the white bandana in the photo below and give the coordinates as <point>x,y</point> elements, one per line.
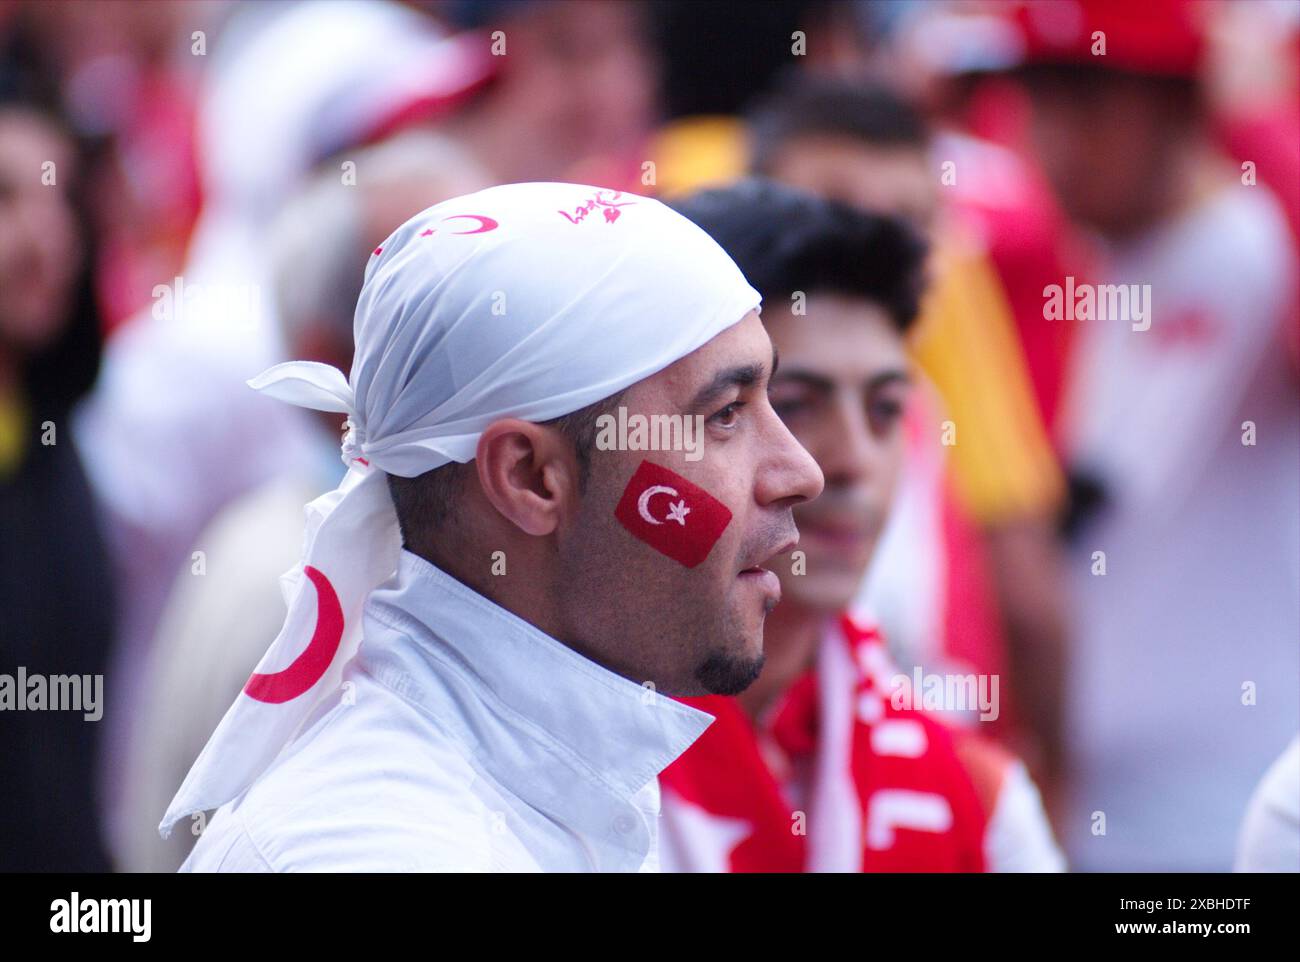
<point>526,300</point>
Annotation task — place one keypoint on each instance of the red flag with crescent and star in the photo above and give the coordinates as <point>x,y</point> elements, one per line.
<point>672,515</point>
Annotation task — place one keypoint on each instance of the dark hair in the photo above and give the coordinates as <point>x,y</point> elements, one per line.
<point>785,240</point>
<point>424,503</point>
<point>57,375</point>
<point>716,56</point>
<point>809,106</point>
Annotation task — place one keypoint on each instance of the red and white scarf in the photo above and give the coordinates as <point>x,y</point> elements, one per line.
<point>883,789</point>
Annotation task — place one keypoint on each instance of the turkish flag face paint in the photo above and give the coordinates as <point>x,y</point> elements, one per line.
<point>672,515</point>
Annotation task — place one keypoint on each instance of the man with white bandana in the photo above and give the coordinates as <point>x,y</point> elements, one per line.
<point>492,606</point>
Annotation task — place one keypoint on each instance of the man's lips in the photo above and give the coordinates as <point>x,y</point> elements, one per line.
<point>765,580</point>
<point>788,545</point>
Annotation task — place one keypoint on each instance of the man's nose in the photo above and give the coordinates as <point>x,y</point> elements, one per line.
<point>849,453</point>
<point>791,473</point>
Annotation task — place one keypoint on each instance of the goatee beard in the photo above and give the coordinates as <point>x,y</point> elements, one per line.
<point>722,674</point>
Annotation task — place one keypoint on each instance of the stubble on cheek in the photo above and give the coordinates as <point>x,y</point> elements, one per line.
<point>657,615</point>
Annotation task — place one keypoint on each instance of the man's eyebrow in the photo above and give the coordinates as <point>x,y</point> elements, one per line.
<point>807,378</point>
<point>820,382</point>
<point>889,376</point>
<point>743,375</point>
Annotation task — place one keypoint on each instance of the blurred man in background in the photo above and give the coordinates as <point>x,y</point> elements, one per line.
<point>573,91</point>
<point>968,575</point>
<point>819,736</point>
<point>1184,424</point>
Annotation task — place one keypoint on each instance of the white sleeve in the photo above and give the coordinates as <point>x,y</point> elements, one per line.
<point>1019,837</point>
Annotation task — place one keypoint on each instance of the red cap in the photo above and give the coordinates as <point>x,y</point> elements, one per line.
<point>1158,37</point>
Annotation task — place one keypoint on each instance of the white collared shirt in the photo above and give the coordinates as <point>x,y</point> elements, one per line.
<point>461,739</point>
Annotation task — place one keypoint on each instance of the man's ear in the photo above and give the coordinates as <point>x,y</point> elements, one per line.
<point>529,472</point>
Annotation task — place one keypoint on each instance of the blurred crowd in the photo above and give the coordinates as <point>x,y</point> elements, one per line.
<point>1104,515</point>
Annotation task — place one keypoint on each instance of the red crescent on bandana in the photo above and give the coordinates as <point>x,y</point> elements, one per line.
<point>485,224</point>
<point>308,667</point>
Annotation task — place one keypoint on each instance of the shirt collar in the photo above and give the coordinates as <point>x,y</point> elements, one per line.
<point>608,728</point>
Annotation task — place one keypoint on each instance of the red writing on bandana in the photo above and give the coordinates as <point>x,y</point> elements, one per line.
<point>672,515</point>
<point>605,200</point>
